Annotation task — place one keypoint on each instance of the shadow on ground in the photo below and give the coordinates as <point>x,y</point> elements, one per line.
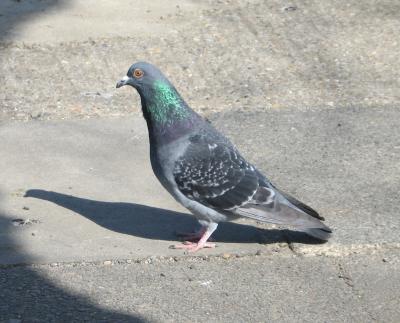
<point>16,12</point>
<point>28,296</point>
<point>160,224</point>
<point>25,294</point>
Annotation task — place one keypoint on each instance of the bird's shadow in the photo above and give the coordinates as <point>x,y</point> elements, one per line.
<point>160,224</point>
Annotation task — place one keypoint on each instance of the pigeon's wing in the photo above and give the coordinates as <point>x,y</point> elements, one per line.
<point>215,174</point>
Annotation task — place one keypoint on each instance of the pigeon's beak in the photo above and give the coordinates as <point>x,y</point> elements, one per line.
<point>123,82</point>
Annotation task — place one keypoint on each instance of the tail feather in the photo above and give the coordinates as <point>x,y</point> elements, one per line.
<point>305,208</point>
<point>286,210</point>
<point>318,233</point>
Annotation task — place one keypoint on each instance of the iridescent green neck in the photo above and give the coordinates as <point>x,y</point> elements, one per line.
<point>166,106</point>
<point>168,116</point>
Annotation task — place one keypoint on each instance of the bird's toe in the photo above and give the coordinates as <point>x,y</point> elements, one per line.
<point>192,246</point>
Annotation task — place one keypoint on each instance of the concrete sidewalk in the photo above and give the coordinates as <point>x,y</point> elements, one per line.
<point>309,91</point>
<point>61,59</point>
<point>87,192</point>
<point>79,198</point>
<point>84,190</point>
<point>267,288</point>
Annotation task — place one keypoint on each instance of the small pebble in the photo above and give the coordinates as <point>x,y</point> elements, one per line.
<point>290,8</point>
<point>36,114</point>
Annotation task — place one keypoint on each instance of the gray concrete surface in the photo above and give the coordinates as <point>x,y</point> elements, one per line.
<point>93,177</point>
<point>269,288</point>
<point>90,207</point>
<point>313,84</point>
<point>220,54</point>
<point>69,174</point>
<point>48,21</point>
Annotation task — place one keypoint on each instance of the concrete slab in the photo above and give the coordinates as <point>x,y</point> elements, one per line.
<point>84,190</point>
<point>344,162</point>
<point>64,62</point>
<point>320,76</point>
<point>87,192</point>
<point>268,288</point>
<point>52,21</point>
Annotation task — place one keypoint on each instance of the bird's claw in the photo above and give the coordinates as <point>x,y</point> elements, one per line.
<point>192,246</point>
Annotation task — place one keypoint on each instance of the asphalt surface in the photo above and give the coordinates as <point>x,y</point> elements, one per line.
<point>308,91</point>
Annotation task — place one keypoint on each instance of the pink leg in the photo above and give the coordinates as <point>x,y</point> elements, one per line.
<point>193,247</point>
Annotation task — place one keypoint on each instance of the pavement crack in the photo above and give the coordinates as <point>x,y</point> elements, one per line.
<point>345,276</point>
<point>290,244</point>
<point>348,280</point>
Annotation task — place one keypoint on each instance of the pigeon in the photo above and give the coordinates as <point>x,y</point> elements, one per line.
<point>204,171</point>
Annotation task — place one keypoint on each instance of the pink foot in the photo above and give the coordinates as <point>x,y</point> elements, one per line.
<point>192,246</point>
<point>205,234</point>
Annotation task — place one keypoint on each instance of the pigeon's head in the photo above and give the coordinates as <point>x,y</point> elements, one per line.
<point>141,75</point>
<point>162,105</point>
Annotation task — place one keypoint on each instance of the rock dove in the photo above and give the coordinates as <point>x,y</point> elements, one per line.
<point>204,171</point>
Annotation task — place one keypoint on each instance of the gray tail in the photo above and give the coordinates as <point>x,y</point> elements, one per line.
<point>321,232</point>
<point>318,233</point>
<point>280,208</point>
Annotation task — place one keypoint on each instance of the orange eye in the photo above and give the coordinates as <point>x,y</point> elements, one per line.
<point>138,73</point>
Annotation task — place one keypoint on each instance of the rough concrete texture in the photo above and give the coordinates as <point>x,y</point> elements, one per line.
<point>85,227</point>
<point>270,288</point>
<point>82,192</point>
<point>71,174</point>
<point>220,54</point>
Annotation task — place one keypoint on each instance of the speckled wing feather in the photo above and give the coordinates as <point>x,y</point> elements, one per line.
<point>215,174</point>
